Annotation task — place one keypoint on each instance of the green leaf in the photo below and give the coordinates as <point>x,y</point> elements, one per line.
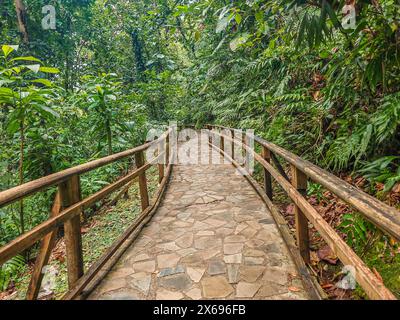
<point>6,92</point>
<point>7,49</point>
<point>238,18</point>
<point>390,183</point>
<point>6,81</point>
<point>259,16</point>
<point>348,216</point>
<point>238,41</point>
<point>300,36</point>
<point>45,82</point>
<point>197,35</point>
<point>13,126</point>
<point>49,70</point>
<point>332,15</point>
<point>49,110</point>
<point>26,59</point>
<point>324,54</point>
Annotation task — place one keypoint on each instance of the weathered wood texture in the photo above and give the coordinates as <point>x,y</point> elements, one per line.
<point>71,194</point>
<point>299,181</point>
<point>94,275</point>
<point>29,238</point>
<point>68,208</point>
<point>382,215</point>
<point>11,195</point>
<point>373,287</point>
<point>43,257</point>
<point>144,194</point>
<point>267,176</point>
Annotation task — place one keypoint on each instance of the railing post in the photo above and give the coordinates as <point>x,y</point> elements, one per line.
<point>299,181</point>
<point>144,195</point>
<point>222,143</point>
<point>266,154</point>
<point>46,247</point>
<point>161,163</point>
<point>167,154</point>
<point>160,172</point>
<point>70,193</point>
<point>233,143</point>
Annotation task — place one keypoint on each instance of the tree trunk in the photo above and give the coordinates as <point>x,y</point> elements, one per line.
<point>21,18</point>
<point>138,51</point>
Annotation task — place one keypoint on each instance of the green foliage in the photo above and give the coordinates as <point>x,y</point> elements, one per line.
<point>332,97</point>
<point>100,94</point>
<point>287,69</point>
<point>22,91</point>
<point>357,231</point>
<point>9,270</point>
<point>315,189</point>
<point>385,170</point>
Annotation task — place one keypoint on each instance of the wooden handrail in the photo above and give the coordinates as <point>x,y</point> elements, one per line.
<point>14,194</point>
<point>373,287</point>
<point>69,206</point>
<point>385,217</point>
<point>29,238</point>
<point>114,252</point>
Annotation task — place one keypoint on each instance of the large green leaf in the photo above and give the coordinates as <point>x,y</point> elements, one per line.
<point>45,82</point>
<point>7,49</point>
<point>49,70</point>
<point>48,111</point>
<point>25,59</point>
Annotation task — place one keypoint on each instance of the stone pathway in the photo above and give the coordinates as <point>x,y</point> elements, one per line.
<point>211,238</point>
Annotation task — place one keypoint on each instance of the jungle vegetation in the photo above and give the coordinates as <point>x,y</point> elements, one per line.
<point>93,79</point>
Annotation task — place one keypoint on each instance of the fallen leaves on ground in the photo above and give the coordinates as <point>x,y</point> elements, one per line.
<point>59,252</point>
<point>326,254</point>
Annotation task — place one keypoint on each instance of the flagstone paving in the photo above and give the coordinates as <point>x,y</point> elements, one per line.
<point>211,238</point>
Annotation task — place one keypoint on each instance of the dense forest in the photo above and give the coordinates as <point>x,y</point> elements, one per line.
<point>82,79</point>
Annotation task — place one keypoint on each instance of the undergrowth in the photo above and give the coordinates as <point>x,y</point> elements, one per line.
<point>99,232</point>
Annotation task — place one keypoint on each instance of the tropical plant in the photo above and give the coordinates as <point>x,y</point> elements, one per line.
<point>9,269</point>
<point>357,230</point>
<point>26,98</point>
<point>385,170</point>
<point>101,97</point>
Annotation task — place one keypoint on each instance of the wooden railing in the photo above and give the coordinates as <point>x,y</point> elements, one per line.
<point>383,216</point>
<point>69,206</point>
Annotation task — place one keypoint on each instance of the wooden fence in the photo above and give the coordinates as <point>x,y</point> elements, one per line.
<point>69,206</point>
<point>383,216</point>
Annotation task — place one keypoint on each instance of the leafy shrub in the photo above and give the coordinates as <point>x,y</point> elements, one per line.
<point>385,170</point>
<point>10,269</point>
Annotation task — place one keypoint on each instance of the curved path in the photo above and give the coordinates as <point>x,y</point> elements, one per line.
<point>211,238</point>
